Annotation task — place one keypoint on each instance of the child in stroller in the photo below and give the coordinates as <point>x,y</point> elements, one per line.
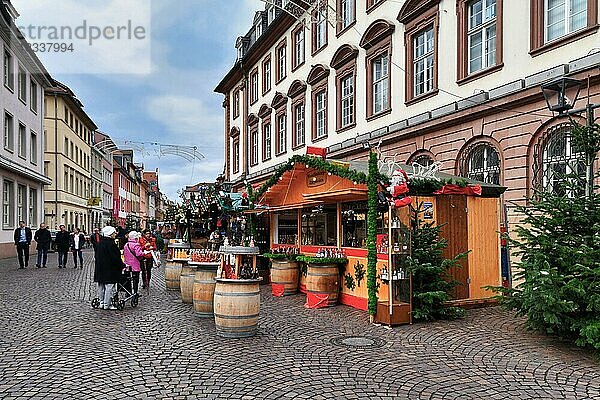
<point>124,292</point>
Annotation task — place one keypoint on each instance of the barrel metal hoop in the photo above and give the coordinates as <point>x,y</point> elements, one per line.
<point>236,316</point>
<point>237,294</point>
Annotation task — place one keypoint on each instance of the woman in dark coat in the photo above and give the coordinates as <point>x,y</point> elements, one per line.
<point>108,267</point>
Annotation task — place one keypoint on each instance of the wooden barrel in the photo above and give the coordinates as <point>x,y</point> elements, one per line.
<point>204,289</point>
<point>324,279</point>
<point>172,275</point>
<point>237,306</point>
<point>186,283</point>
<point>286,273</point>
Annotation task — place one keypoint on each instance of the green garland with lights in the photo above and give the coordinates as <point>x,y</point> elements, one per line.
<point>322,260</point>
<point>372,186</point>
<point>282,256</point>
<point>426,186</point>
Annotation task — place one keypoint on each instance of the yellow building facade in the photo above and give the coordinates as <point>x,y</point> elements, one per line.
<point>69,136</point>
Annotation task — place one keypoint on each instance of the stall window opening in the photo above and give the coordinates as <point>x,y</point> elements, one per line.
<point>319,225</point>
<point>354,224</point>
<point>287,228</point>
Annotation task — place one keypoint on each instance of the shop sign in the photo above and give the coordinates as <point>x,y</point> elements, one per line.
<point>316,178</point>
<point>427,210</point>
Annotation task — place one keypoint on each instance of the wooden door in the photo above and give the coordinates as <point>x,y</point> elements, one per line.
<point>452,215</point>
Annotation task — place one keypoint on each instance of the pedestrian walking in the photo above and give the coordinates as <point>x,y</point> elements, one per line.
<point>148,243</point>
<point>108,267</point>
<point>22,238</point>
<point>95,239</point>
<point>43,239</point>
<point>63,242</point>
<point>77,243</point>
<point>134,256</point>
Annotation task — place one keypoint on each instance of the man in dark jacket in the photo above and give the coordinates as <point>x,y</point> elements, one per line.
<point>108,267</point>
<point>77,243</point>
<point>22,241</point>
<point>63,241</point>
<point>43,239</point>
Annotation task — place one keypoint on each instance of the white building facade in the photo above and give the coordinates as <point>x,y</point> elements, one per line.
<point>22,175</point>
<point>453,81</point>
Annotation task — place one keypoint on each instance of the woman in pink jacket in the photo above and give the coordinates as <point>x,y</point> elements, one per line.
<point>133,253</point>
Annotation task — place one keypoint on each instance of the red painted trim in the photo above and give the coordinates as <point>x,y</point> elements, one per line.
<point>302,288</point>
<point>354,301</point>
<point>350,251</point>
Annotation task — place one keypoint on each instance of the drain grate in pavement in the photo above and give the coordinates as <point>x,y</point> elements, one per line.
<point>360,342</point>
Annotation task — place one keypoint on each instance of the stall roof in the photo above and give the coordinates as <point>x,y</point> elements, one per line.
<point>232,202</point>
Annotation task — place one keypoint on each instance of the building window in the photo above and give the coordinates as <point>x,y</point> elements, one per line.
<point>271,14</point>
<point>33,88</point>
<point>347,13</point>
<point>479,37</point>
<point>22,148</point>
<point>236,156</point>
<point>298,43</point>
<point>254,147</point>
<point>281,134</point>
<point>423,160</point>
<point>267,145</point>
<point>483,164</point>
<point>21,202</point>
<point>423,62</point>
<point>9,72</point>
<point>266,75</point>
<point>254,86</point>
<point>320,28</point>
<point>9,134</point>
<point>33,207</point>
<point>33,151</point>
<point>8,205</point>
<point>236,104</point>
<point>482,34</point>
<point>320,115</point>
<point>281,66</point>
<point>299,125</point>
<point>22,85</point>
<point>562,17</point>
<point>380,84</point>
<point>562,165</point>
<point>347,100</point>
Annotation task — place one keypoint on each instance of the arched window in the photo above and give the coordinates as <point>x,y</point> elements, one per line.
<point>423,159</point>
<point>561,161</point>
<point>482,163</point>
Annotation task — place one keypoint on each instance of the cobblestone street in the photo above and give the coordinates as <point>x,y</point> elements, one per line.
<point>54,345</point>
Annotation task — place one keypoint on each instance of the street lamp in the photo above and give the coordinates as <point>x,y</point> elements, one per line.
<point>561,94</point>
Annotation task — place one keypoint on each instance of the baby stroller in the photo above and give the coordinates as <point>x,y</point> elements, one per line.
<point>123,292</point>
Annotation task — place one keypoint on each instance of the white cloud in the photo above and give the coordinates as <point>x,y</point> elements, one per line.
<point>185,117</point>
<point>78,23</point>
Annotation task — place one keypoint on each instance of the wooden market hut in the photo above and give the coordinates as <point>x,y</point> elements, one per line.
<point>314,209</point>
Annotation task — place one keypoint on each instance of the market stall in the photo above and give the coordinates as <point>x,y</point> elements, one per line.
<point>322,207</point>
<point>237,292</point>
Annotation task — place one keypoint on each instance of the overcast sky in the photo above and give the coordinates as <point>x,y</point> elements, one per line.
<point>166,96</point>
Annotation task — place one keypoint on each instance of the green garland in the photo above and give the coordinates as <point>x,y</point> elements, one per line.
<point>280,256</point>
<point>426,186</point>
<point>321,260</point>
<point>372,184</point>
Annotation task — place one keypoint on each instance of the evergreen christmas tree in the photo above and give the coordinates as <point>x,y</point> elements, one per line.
<point>558,243</point>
